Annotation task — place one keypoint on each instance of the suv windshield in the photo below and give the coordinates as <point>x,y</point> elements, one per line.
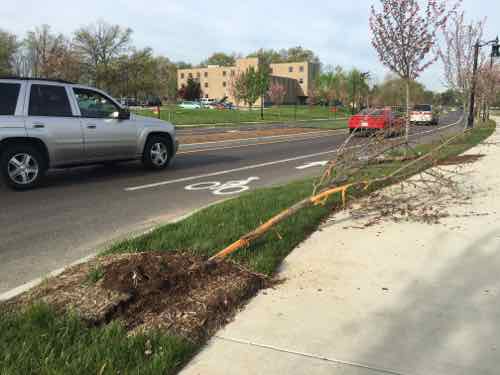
<point>422,108</point>
<point>8,98</point>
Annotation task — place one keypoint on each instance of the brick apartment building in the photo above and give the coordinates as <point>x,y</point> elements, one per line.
<point>297,77</point>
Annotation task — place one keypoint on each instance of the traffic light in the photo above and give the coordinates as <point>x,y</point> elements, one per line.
<point>495,49</point>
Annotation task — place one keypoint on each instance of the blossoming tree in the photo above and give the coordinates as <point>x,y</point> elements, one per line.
<point>403,34</point>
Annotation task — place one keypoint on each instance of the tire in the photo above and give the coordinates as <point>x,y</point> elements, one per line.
<point>23,167</point>
<point>157,153</point>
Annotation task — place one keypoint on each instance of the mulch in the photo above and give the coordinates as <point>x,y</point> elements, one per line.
<point>179,294</point>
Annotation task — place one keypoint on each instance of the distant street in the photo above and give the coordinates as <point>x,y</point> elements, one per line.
<point>78,211</point>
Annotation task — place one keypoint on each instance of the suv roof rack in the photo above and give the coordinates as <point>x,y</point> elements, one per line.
<point>37,79</point>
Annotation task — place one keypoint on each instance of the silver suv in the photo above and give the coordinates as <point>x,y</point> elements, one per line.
<point>55,124</point>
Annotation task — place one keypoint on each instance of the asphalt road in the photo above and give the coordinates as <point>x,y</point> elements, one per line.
<point>80,210</point>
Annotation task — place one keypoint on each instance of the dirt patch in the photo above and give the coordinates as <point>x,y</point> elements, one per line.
<point>461,159</point>
<point>235,135</point>
<point>176,293</point>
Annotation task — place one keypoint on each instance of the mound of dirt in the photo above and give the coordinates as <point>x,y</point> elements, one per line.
<point>176,293</point>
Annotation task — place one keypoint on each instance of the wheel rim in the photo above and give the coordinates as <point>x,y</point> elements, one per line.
<point>23,168</point>
<point>159,154</point>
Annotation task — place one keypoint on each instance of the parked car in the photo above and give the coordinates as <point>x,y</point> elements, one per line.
<point>377,120</point>
<point>424,114</point>
<point>48,124</point>
<point>206,102</point>
<point>190,105</point>
<point>129,102</point>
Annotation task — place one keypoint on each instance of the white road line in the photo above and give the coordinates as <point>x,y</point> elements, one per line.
<point>261,165</point>
<point>219,173</point>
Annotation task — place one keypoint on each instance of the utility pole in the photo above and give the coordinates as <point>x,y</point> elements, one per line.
<point>495,52</point>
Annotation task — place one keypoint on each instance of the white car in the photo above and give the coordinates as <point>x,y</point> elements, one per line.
<point>190,105</point>
<point>424,114</point>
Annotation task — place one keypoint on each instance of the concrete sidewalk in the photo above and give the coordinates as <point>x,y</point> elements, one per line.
<point>390,298</point>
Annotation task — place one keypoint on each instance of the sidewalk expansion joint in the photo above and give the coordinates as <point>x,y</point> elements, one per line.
<point>312,356</point>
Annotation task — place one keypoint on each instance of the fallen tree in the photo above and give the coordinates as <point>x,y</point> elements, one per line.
<point>347,163</point>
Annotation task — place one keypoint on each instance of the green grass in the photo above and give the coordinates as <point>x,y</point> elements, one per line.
<point>40,342</point>
<point>179,116</point>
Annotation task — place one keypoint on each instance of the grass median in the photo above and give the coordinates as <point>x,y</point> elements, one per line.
<point>38,341</point>
<point>180,116</point>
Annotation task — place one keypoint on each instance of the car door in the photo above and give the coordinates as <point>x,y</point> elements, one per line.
<point>51,118</point>
<point>106,136</point>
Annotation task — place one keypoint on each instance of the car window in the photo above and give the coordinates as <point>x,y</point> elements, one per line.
<point>422,108</point>
<point>9,92</point>
<point>49,100</point>
<point>94,105</point>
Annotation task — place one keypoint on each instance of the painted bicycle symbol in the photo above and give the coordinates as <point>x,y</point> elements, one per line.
<point>227,188</point>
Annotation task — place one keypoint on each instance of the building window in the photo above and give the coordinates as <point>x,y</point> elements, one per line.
<point>206,74</point>
<point>270,70</point>
<point>198,75</point>
<point>232,72</point>
<point>223,73</point>
<point>224,84</point>
<point>301,81</point>
<point>190,75</point>
<point>290,69</point>
<point>182,75</point>
<point>206,84</point>
<point>301,69</point>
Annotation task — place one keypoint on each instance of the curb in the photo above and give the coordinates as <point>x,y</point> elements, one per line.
<point>5,296</point>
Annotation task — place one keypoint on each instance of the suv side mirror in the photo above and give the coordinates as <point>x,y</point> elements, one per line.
<point>124,114</point>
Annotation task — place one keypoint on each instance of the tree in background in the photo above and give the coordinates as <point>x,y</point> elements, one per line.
<point>236,88</point>
<point>192,90</point>
<point>99,44</point>
<point>391,92</point>
<point>449,98</point>
<point>267,56</point>
<point>250,85</point>
<point>252,90</point>
<point>8,49</point>
<point>166,83</point>
<point>457,54</point>
<point>403,37</point>
<point>294,54</point>
<point>48,55</point>
<point>488,84</point>
<point>358,88</point>
<point>277,94</point>
<point>221,59</point>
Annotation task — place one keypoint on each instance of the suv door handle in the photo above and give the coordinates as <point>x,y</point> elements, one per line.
<point>91,126</point>
<point>38,125</point>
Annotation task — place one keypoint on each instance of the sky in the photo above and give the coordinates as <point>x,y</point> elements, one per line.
<point>191,30</point>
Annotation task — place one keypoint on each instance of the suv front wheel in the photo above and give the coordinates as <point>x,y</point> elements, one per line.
<point>156,153</point>
<point>23,166</point>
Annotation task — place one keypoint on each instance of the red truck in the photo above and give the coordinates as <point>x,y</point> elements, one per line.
<point>376,120</point>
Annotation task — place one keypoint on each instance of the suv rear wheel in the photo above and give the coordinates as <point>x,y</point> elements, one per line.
<point>23,166</point>
<point>156,153</point>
